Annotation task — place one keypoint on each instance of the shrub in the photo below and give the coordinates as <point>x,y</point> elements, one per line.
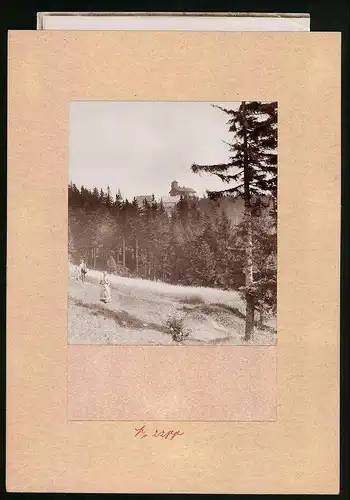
<point>120,270</point>
<point>177,329</point>
<point>111,264</point>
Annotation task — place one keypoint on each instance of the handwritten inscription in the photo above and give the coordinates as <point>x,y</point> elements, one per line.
<point>142,433</point>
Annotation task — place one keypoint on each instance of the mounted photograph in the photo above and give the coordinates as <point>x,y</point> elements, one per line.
<point>172,223</point>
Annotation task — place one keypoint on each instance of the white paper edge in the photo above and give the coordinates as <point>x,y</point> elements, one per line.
<point>176,22</point>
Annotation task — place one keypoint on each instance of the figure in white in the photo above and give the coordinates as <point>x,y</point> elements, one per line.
<point>83,270</point>
<point>105,295</point>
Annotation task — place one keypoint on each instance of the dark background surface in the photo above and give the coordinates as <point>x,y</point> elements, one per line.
<point>325,15</point>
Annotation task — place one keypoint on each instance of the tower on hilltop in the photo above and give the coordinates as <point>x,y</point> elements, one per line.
<point>177,190</point>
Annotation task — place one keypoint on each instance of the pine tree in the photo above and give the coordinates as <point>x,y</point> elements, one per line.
<point>95,199</point>
<point>194,214</point>
<point>228,268</point>
<point>118,202</point>
<point>109,198</point>
<point>161,209</point>
<point>199,264</point>
<point>208,234</point>
<point>265,262</point>
<point>253,170</point>
<point>102,198</point>
<point>154,207</point>
<point>182,207</point>
<point>132,229</point>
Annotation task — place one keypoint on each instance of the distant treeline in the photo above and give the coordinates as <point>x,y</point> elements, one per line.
<point>196,245</point>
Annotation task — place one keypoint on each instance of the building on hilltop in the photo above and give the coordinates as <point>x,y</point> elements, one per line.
<point>169,203</point>
<point>233,208</point>
<point>177,190</point>
<point>141,199</point>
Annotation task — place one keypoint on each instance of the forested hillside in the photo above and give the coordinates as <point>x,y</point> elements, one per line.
<point>200,244</point>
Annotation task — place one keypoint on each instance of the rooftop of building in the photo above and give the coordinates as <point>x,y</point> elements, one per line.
<point>144,197</point>
<point>170,199</point>
<point>183,189</point>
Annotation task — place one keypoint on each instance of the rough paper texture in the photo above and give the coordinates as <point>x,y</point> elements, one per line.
<point>297,453</point>
<point>171,383</point>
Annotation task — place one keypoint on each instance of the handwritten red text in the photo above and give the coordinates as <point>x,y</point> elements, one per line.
<point>141,433</point>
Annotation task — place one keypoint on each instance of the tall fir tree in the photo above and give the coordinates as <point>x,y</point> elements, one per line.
<point>109,198</point>
<point>252,169</point>
<point>118,203</point>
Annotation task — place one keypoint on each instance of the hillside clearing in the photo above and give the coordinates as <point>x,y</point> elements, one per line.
<point>140,309</point>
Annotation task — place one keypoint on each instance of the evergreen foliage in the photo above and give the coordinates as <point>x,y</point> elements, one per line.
<point>251,174</point>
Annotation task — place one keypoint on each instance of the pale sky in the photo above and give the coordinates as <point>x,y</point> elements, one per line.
<point>140,147</point>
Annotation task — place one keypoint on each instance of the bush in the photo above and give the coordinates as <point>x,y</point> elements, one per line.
<point>120,270</point>
<point>111,265</point>
<point>177,329</point>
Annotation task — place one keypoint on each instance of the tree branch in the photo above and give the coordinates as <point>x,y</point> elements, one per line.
<point>210,169</point>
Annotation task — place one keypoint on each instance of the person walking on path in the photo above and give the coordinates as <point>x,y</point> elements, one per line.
<point>82,270</point>
<point>105,295</point>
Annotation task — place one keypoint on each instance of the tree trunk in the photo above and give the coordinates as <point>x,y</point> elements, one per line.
<point>123,252</point>
<point>261,317</point>
<point>137,257</point>
<point>249,320</point>
<point>91,257</point>
<point>250,307</point>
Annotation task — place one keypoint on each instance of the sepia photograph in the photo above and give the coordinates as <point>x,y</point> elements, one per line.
<point>172,223</point>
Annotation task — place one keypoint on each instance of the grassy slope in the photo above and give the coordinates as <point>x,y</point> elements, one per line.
<point>140,308</point>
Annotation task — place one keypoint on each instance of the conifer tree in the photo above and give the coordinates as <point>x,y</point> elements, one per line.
<point>109,198</point>
<point>118,202</point>
<point>250,172</point>
<point>161,209</point>
<point>95,199</point>
<point>182,209</point>
<point>200,263</point>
